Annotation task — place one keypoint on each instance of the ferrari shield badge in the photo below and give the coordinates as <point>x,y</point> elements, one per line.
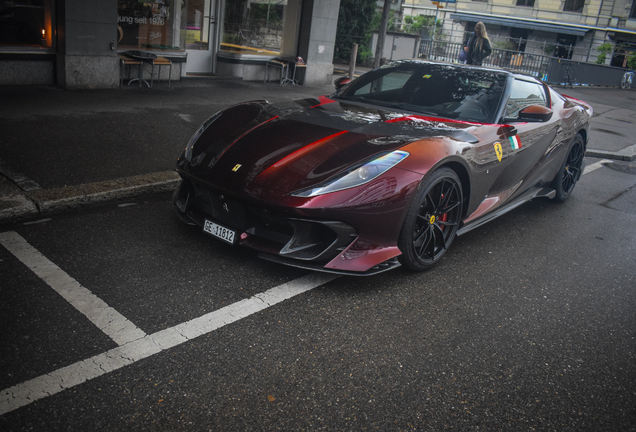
<point>236,167</point>
<point>499,151</point>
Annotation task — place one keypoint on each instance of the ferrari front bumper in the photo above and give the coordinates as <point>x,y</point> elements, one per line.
<point>283,234</point>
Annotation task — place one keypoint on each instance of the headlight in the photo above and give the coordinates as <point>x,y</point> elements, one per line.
<point>357,176</point>
<point>197,135</point>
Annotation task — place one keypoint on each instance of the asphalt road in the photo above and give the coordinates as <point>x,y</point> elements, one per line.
<point>614,119</point>
<point>528,323</point>
<point>616,98</point>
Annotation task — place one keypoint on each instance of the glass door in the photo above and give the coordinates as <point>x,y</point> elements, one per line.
<point>201,36</point>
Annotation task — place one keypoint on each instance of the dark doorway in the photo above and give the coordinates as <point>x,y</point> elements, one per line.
<point>566,44</point>
<point>521,36</point>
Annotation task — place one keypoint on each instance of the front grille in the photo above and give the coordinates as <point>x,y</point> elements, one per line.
<point>242,217</point>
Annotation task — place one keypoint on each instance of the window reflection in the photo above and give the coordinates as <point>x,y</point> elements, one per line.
<point>523,94</point>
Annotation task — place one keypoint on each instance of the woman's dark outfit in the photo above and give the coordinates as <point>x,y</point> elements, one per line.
<point>475,54</point>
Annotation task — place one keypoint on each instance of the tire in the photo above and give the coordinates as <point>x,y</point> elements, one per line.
<point>570,170</point>
<point>432,221</point>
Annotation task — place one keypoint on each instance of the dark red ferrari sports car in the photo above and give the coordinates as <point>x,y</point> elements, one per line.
<point>386,171</point>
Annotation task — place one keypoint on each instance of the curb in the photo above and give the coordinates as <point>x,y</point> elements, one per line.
<point>46,202</point>
<point>627,154</point>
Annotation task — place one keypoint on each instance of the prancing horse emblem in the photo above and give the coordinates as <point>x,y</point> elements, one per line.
<point>498,151</point>
<point>236,167</point>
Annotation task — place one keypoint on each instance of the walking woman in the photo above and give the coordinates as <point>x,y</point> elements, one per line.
<point>478,47</point>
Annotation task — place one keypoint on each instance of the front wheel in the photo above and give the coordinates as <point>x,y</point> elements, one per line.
<point>432,221</point>
<point>570,170</point>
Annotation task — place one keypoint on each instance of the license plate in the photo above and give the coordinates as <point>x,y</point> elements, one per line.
<point>219,231</point>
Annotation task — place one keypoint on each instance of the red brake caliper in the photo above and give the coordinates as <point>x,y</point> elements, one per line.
<point>443,217</point>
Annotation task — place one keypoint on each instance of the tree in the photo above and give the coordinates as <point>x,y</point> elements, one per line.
<point>354,21</point>
<point>604,49</point>
<point>379,47</point>
<point>416,24</point>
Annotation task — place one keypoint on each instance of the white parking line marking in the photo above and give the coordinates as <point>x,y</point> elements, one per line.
<point>77,373</point>
<point>596,165</point>
<point>107,319</point>
<point>37,221</point>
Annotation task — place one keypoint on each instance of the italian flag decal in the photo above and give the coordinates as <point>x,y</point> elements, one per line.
<point>514,142</point>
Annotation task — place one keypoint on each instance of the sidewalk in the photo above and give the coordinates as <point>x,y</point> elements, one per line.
<point>63,150</point>
<point>343,69</point>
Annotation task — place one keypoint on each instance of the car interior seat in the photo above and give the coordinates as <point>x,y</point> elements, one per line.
<point>431,92</point>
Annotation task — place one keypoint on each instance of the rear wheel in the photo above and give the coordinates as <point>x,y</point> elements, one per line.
<point>570,170</point>
<point>432,221</point>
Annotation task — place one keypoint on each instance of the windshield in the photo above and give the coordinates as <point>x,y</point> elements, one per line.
<point>456,92</point>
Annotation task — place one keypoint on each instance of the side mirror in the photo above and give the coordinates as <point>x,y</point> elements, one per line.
<point>535,113</point>
<point>341,82</point>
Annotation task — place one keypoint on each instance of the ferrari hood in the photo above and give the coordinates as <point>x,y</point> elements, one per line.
<point>303,143</point>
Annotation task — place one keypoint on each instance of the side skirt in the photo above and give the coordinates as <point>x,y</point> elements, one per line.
<point>536,192</point>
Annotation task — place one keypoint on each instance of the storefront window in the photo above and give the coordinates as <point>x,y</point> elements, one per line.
<point>25,24</point>
<point>151,25</point>
<point>253,26</point>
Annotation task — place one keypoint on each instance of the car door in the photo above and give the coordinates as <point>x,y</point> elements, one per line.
<point>529,142</point>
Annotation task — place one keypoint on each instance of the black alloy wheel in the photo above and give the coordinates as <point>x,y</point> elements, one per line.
<point>432,221</point>
<point>570,171</point>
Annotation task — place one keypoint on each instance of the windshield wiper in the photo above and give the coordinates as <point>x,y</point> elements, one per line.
<point>399,105</point>
<point>415,108</point>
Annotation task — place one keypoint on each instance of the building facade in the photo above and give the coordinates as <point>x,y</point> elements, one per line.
<point>571,29</point>
<point>76,43</point>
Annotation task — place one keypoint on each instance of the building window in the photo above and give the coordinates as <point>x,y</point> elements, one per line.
<point>519,38</point>
<point>253,27</point>
<point>574,5</point>
<point>529,3</point>
<point>150,25</point>
<point>622,51</point>
<point>565,46</point>
<point>26,24</point>
<point>632,14</point>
